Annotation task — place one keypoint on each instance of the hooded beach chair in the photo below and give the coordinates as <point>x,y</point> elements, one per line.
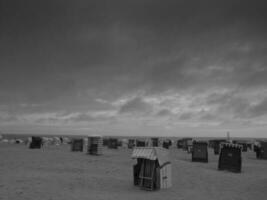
<point>95,145</point>
<point>36,142</point>
<point>77,145</point>
<point>153,168</point>
<point>113,143</point>
<point>200,151</point>
<point>262,150</point>
<point>230,157</point>
<point>140,143</point>
<point>155,142</point>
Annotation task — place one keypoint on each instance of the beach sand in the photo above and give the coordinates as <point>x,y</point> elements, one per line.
<point>55,172</point>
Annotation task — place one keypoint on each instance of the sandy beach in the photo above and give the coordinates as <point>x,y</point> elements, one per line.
<point>55,172</point>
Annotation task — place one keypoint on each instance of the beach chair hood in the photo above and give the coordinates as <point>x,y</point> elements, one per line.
<point>152,153</point>
<point>238,146</point>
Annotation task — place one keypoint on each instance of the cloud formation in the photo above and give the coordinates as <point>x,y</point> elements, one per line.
<point>156,64</point>
<point>136,106</point>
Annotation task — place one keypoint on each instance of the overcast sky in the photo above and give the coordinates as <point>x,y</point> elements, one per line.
<point>140,67</point>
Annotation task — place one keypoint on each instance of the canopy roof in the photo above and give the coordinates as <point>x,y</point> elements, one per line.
<point>152,153</point>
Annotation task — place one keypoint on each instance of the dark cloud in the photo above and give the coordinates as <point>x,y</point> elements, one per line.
<point>82,118</point>
<point>237,104</point>
<point>208,117</point>
<point>8,118</point>
<point>64,118</point>
<point>48,120</point>
<point>230,103</point>
<point>259,109</point>
<point>62,55</point>
<point>186,116</point>
<point>116,41</point>
<point>136,105</point>
<point>164,113</point>
<point>218,98</point>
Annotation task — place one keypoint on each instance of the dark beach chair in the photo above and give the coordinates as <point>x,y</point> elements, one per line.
<point>230,157</point>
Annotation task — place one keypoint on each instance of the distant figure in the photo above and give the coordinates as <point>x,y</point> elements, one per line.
<point>257,149</point>
<point>61,140</point>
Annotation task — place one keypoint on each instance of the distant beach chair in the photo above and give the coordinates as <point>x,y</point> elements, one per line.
<point>166,144</point>
<point>230,157</point>
<point>244,146</point>
<point>113,143</point>
<point>200,151</point>
<point>261,150</point>
<point>140,143</point>
<point>187,144</point>
<point>249,146</point>
<point>77,144</point>
<point>155,142</point>
<point>153,168</point>
<point>216,145</point>
<point>36,142</point>
<point>95,145</point>
<point>179,144</point>
<point>105,141</point>
<point>131,143</point>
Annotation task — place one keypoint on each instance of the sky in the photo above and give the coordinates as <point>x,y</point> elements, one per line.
<point>143,68</point>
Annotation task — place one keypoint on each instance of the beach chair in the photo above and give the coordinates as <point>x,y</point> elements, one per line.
<point>36,142</point>
<point>95,145</point>
<point>179,144</point>
<point>77,145</point>
<point>230,157</point>
<point>200,151</point>
<point>155,142</point>
<point>262,150</point>
<point>113,143</point>
<point>140,143</point>
<point>153,168</point>
<point>131,143</point>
